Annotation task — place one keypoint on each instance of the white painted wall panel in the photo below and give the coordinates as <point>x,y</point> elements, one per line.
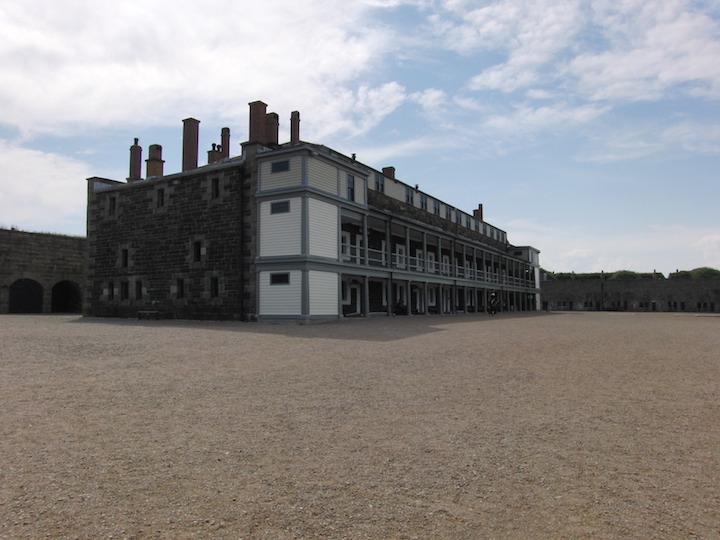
<point>394,189</point>
<point>280,299</point>
<point>322,176</point>
<point>323,220</point>
<point>323,288</point>
<point>360,190</point>
<point>280,234</point>
<point>290,178</point>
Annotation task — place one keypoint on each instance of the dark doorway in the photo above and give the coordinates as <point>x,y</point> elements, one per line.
<point>66,297</point>
<point>26,296</point>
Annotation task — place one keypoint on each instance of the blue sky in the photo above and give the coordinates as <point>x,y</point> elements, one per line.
<point>588,129</point>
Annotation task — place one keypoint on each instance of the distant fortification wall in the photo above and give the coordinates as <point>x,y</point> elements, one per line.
<point>41,273</point>
<point>692,295</point>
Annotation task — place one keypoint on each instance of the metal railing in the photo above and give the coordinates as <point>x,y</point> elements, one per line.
<point>354,254</point>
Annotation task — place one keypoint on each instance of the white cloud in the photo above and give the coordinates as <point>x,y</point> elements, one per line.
<point>526,118</point>
<point>710,247</point>
<point>652,48</point>
<point>532,34</point>
<point>42,191</point>
<point>654,247</point>
<point>68,65</point>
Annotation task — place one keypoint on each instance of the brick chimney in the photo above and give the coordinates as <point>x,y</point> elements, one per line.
<point>135,162</point>
<point>225,143</point>
<point>154,162</point>
<point>191,129</point>
<point>258,112</point>
<point>295,128</point>
<point>272,126</point>
<point>478,212</point>
<point>389,172</point>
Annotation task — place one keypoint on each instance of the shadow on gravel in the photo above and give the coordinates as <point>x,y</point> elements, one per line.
<point>355,328</point>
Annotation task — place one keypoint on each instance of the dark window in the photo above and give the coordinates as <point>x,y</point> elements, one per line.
<point>197,251</point>
<point>280,279</point>
<point>180,288</point>
<point>125,258</point>
<point>424,201</point>
<point>436,208</point>
<point>124,290</point>
<point>280,166</point>
<point>467,222</point>
<point>379,183</point>
<point>138,290</point>
<point>458,217</point>
<point>113,206</point>
<point>282,207</point>
<point>111,291</point>
<point>409,195</point>
<point>448,212</point>
<point>350,187</point>
<point>215,188</point>
<point>160,197</point>
<point>214,287</point>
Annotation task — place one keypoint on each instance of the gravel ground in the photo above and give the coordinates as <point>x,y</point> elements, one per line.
<point>592,425</point>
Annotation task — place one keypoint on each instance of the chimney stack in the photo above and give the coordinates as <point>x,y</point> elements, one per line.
<point>272,126</point>
<point>154,162</point>
<point>295,128</point>
<point>389,172</point>
<point>478,212</point>
<point>225,143</point>
<point>135,162</point>
<point>215,154</point>
<point>258,112</point>
<point>191,128</point>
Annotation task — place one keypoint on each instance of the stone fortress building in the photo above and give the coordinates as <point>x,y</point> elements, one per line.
<point>289,231</point>
<point>650,292</point>
<point>41,273</point>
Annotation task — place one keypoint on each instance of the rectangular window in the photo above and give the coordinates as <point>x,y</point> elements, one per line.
<point>197,251</point>
<point>379,183</point>
<point>138,290</point>
<point>350,187</point>
<point>180,288</point>
<point>280,279</point>
<point>281,207</point>
<point>112,206</point>
<point>124,290</point>
<point>409,195</point>
<point>214,287</point>
<point>468,223</point>
<point>458,217</point>
<point>125,258</point>
<point>111,291</point>
<point>215,188</point>
<point>436,208</point>
<point>280,166</point>
<point>448,212</point>
<point>160,201</point>
<point>424,201</point>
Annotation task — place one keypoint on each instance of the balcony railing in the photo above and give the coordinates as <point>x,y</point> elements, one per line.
<point>354,254</point>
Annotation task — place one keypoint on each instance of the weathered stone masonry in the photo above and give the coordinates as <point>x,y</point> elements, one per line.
<point>40,273</point>
<point>171,245</point>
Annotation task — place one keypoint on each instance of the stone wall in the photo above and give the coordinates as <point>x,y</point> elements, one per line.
<point>52,261</point>
<point>180,254</point>
<point>692,295</point>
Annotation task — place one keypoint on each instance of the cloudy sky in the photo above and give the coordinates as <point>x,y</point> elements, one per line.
<point>589,129</point>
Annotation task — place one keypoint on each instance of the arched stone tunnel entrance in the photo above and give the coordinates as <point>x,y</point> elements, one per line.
<point>66,297</point>
<point>26,296</point>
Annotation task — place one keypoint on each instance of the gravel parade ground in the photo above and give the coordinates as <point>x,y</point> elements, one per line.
<point>560,425</point>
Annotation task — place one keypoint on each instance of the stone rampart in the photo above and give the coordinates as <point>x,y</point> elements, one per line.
<point>40,272</point>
